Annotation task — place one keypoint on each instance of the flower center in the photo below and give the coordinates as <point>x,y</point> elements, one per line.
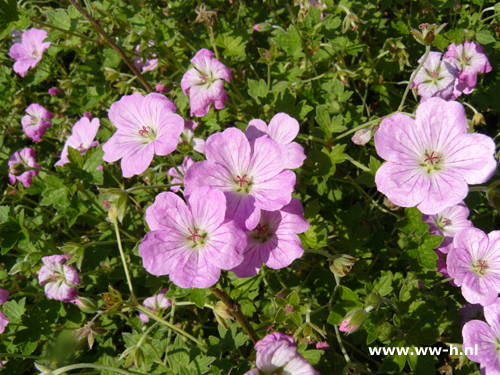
<point>444,222</point>
<point>261,229</point>
<point>144,131</point>
<point>480,267</point>
<point>54,277</point>
<point>262,232</point>
<point>431,157</point>
<point>34,54</point>
<point>431,160</point>
<point>243,183</point>
<point>33,120</point>
<point>204,78</point>
<point>80,147</point>
<point>195,236</point>
<point>434,74</point>
<point>466,60</point>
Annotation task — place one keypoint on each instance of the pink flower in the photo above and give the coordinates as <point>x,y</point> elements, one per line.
<point>205,84</point>
<point>139,62</point>
<point>277,353</point>
<point>88,115</point>
<point>322,346</point>
<point>186,164</point>
<point>26,157</point>
<point>437,77</point>
<point>448,223</point>
<point>191,242</point>
<point>470,60</point>
<point>36,122</point>
<point>250,173</point>
<point>84,132</point>
<point>161,88</point>
<point>256,27</point>
<point>283,129</point>
<point>155,304</point>
<point>29,52</point>
<point>198,144</point>
<point>4,295</point>
<point>474,263</point>
<point>53,91</point>
<point>430,160</point>
<point>362,137</point>
<point>146,126</point>
<point>274,241</point>
<point>60,280</point>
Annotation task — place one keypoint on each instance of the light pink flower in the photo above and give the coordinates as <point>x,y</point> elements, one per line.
<point>60,280</point>
<point>155,304</point>
<point>283,129</point>
<point>188,162</point>
<point>3,322</point>
<point>362,137</point>
<point>432,159</point>
<point>205,83</point>
<point>322,346</point>
<point>139,61</point>
<point>54,91</point>
<point>36,122</point>
<point>29,52</point>
<point>274,241</point>
<point>191,242</point>
<point>25,157</point>
<point>470,60</point>
<point>437,77</point>
<point>146,126</point>
<point>250,173</point>
<point>84,132</point>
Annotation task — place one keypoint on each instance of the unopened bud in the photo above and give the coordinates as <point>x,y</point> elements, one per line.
<point>55,92</point>
<point>341,264</point>
<point>429,38</point>
<point>478,120</point>
<point>353,320</point>
<point>263,27</point>
<point>17,169</point>
<point>113,214</point>
<point>86,305</point>
<point>362,137</point>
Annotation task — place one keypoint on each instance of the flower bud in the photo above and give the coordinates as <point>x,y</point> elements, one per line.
<point>88,115</point>
<point>353,320</point>
<point>161,88</point>
<point>341,264</point>
<point>263,27</point>
<point>429,38</point>
<point>113,214</point>
<point>17,169</point>
<point>86,305</point>
<point>362,137</point>
<point>478,119</point>
<point>54,92</point>
<point>44,370</point>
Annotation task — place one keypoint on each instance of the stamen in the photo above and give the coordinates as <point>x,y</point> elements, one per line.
<point>241,180</point>
<point>446,222</point>
<point>53,277</point>
<point>194,235</point>
<point>482,264</point>
<point>431,157</point>
<point>80,147</point>
<point>434,74</point>
<point>34,54</point>
<point>204,78</point>
<point>261,228</point>
<point>144,131</point>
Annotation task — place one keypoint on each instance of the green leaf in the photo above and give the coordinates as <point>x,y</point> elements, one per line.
<point>11,233</point>
<point>383,285</point>
<point>427,257</point>
<point>198,297</point>
<point>8,13</point>
<point>433,241</point>
<point>75,157</point>
<point>14,310</point>
<point>93,159</point>
<point>485,37</point>
<point>56,193</point>
<point>59,18</point>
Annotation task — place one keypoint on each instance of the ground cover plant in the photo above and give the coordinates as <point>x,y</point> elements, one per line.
<point>247,187</point>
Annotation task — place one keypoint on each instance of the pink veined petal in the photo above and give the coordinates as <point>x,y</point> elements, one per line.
<point>225,246</point>
<point>267,161</point>
<point>60,291</point>
<point>169,129</point>
<point>298,365</point>
<point>252,258</point>
<point>483,290</point>
<point>295,154</point>
<point>126,114</point>
<point>143,317</point>
<point>4,321</point>
<point>169,212</point>
<point>84,131</point>
<point>404,185</point>
<point>25,179</point>
<point>154,106</point>
<point>202,59</point>
<point>283,128</point>
<point>137,161</point>
<point>162,252</point>
<point>231,149</point>
<point>474,241</point>
<point>254,371</point>
<point>471,156</point>
<point>217,95</point>
<point>492,314</point>
<point>219,70</point>
<point>39,112</point>
<point>398,140</point>
<point>208,208</point>
<point>478,332</point>
<point>19,52</point>
<point>256,129</point>
<point>242,209</point>
<point>292,218</point>
<point>34,37</point>
<point>199,100</point>
<point>207,173</point>
<point>287,248</point>
<point>446,189</point>
<point>22,66</point>
<point>191,78</point>
<point>71,275</point>
<point>199,145</point>
<point>274,193</point>
<point>195,271</point>
<point>4,295</point>
<point>121,144</point>
<point>277,355</point>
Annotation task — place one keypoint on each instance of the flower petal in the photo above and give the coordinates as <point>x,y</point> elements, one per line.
<point>283,128</point>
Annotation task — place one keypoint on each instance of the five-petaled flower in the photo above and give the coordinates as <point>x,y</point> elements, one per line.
<point>84,132</point>
<point>430,160</point>
<point>60,280</point>
<point>205,83</point>
<point>146,126</point>
<point>29,52</point>
<point>25,158</point>
<point>191,242</point>
<point>288,309</point>
<point>36,122</point>
<point>155,304</point>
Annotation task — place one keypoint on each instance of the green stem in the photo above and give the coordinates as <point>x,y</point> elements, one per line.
<point>129,281</point>
<point>90,365</point>
<point>41,170</point>
<point>35,20</point>
<point>212,39</point>
<point>321,252</point>
<point>339,339</point>
<point>14,355</point>
<point>427,51</point>
<point>490,17</point>
<point>82,189</point>
<point>135,188</point>
<point>104,243</point>
<point>470,106</point>
<point>478,188</point>
<point>357,164</point>
<point>146,334</point>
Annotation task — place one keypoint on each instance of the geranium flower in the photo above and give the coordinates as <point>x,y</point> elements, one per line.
<point>36,122</point>
<point>139,62</point>
<point>448,223</point>
<point>191,242</point>
<point>204,83</point>
<point>283,129</point>
<point>30,51</point>
<point>274,241</point>
<point>186,164</point>
<point>60,280</point>
<point>250,174</point>
<point>277,352</point>
<point>25,157</point>
<point>486,335</point>
<point>4,295</point>
<point>155,304</point>
<point>470,60</point>
<point>146,126</point>
<point>430,160</point>
<point>82,138</point>
<point>436,77</point>
<point>474,263</point>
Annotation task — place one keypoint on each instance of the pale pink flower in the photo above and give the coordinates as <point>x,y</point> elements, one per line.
<point>60,280</point>
<point>36,122</point>
<point>362,137</point>
<point>155,304</point>
<point>29,52</point>
<point>84,132</point>
<point>205,83</point>
<point>139,62</point>
<point>26,157</point>
<point>188,162</point>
